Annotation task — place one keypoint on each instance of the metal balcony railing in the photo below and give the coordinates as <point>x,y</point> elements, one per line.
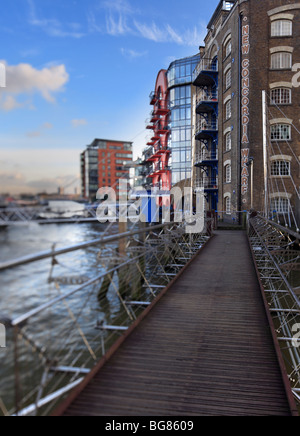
<point>205,65</point>
<point>206,156</point>
<point>207,183</point>
<point>207,96</point>
<point>206,125</point>
<point>161,106</point>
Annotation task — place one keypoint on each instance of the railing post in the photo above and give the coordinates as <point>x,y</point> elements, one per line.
<point>16,369</point>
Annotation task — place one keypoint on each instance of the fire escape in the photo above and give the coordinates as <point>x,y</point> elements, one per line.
<point>158,142</point>
<point>206,130</point>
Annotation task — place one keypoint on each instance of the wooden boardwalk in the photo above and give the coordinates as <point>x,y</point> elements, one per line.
<point>205,348</point>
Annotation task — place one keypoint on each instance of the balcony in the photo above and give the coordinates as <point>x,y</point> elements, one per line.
<point>149,124</point>
<point>161,107</point>
<point>162,128</point>
<point>206,73</point>
<point>207,101</point>
<point>206,158</point>
<point>154,117</point>
<point>153,98</point>
<point>159,169</point>
<point>207,184</point>
<point>206,129</point>
<point>147,153</point>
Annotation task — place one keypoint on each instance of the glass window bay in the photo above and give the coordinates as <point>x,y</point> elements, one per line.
<point>180,141</point>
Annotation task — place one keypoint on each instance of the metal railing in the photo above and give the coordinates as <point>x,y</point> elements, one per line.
<point>206,183</point>
<point>205,65</point>
<point>207,96</point>
<point>44,215</point>
<point>52,346</point>
<point>206,156</point>
<point>277,256</point>
<point>206,125</point>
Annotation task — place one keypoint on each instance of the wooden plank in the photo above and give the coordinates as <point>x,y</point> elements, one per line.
<point>205,349</point>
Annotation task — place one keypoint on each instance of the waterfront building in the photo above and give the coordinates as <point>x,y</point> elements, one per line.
<point>103,163</point>
<point>246,156</point>
<point>168,157</point>
<point>180,73</point>
<point>157,154</point>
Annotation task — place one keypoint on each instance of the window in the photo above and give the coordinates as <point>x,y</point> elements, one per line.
<point>280,205</point>
<point>125,156</point>
<point>281,61</point>
<point>282,28</point>
<point>281,96</point>
<point>228,79</point>
<point>228,141</point>
<point>281,132</point>
<point>228,48</point>
<point>228,110</point>
<point>228,174</point>
<point>228,205</point>
<point>280,168</point>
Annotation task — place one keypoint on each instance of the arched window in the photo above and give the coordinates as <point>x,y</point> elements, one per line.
<point>228,205</point>
<point>228,79</point>
<point>228,110</point>
<point>282,28</point>
<point>281,61</point>
<point>280,168</point>
<point>280,205</point>
<point>228,141</point>
<point>228,48</point>
<point>228,173</point>
<point>281,96</point>
<point>281,132</point>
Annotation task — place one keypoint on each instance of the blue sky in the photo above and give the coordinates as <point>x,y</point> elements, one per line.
<point>77,70</point>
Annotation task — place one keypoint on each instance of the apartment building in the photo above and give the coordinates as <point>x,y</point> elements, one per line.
<point>246,154</point>
<point>103,163</point>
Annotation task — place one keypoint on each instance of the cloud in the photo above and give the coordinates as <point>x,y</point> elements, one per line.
<point>36,170</point>
<point>47,126</point>
<point>132,54</point>
<point>121,20</point>
<point>38,133</point>
<point>52,26</point>
<point>25,79</point>
<point>9,103</point>
<point>117,26</point>
<point>79,122</point>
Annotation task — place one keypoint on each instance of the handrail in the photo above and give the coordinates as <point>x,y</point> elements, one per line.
<point>75,334</point>
<point>53,253</point>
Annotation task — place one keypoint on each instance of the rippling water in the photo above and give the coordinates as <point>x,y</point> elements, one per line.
<point>26,287</point>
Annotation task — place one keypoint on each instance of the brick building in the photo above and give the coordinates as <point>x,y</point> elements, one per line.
<point>251,46</point>
<point>103,163</point>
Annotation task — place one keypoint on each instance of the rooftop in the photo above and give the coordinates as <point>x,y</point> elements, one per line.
<point>222,6</point>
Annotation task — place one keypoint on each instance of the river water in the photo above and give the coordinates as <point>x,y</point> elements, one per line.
<point>27,287</point>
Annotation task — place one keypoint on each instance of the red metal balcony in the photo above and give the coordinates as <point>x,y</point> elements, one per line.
<point>153,98</point>
<point>161,107</point>
<point>162,128</point>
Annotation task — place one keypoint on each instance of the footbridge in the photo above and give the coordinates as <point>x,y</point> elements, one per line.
<point>204,324</point>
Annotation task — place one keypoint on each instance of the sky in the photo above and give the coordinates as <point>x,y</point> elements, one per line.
<point>83,69</point>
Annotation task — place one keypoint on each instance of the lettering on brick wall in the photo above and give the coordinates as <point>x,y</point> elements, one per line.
<point>245,114</point>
